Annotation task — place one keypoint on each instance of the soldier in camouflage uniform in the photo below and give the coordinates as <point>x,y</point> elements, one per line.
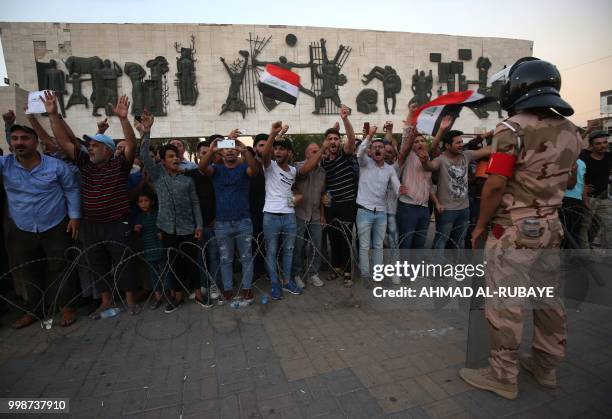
<point>534,150</point>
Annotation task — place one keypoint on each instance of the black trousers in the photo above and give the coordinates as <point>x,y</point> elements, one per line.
<point>107,252</point>
<point>181,254</point>
<point>341,218</point>
<point>42,260</point>
<point>573,215</point>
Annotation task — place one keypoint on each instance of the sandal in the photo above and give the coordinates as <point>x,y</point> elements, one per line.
<point>348,280</point>
<point>134,309</point>
<point>68,317</point>
<point>24,321</point>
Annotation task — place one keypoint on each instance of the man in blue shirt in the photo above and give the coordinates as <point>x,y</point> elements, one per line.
<point>233,227</point>
<point>44,205</point>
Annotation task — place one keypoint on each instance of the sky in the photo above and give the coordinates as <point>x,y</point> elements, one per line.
<point>575,36</point>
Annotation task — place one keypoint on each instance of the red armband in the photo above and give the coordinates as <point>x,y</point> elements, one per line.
<point>501,164</point>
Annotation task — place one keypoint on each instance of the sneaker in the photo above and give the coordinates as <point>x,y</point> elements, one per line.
<point>155,304</point>
<point>247,296</point>
<point>316,281</point>
<point>292,288</point>
<point>213,291</point>
<point>172,305</point>
<point>298,281</point>
<point>545,379</point>
<point>205,302</point>
<point>226,299</point>
<point>484,379</point>
<point>276,293</point>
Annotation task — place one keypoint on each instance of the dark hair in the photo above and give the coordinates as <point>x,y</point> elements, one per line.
<point>597,134</point>
<point>258,138</point>
<point>213,138</point>
<point>146,192</point>
<point>165,148</point>
<point>205,143</point>
<point>331,131</point>
<point>23,128</point>
<point>448,137</point>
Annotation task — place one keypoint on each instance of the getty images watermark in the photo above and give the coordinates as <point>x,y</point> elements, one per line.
<point>438,272</point>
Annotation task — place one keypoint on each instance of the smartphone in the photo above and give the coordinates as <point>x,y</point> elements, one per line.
<point>226,143</point>
<point>366,126</point>
<point>138,118</point>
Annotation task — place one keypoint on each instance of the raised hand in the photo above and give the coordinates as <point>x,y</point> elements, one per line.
<point>285,129</point>
<point>373,129</point>
<point>336,126</point>
<point>122,108</point>
<point>9,117</point>
<point>276,127</point>
<point>411,110</point>
<point>233,134</point>
<point>240,146</point>
<point>344,112</point>
<point>146,120</point>
<point>388,126</point>
<point>446,122</point>
<point>50,102</point>
<point>103,126</point>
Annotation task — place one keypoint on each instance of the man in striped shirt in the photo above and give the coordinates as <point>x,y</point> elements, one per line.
<point>341,181</point>
<point>104,195</point>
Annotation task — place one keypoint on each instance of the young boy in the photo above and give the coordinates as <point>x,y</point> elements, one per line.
<point>146,226</point>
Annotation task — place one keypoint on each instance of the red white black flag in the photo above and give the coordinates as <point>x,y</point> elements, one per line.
<point>427,117</point>
<point>279,84</point>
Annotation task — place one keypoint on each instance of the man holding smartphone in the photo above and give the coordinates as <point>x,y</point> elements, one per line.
<point>233,227</point>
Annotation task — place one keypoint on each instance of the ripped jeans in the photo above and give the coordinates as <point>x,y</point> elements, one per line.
<point>229,235</point>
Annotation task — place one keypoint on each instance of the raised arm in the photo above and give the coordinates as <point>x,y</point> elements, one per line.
<point>349,146</point>
<point>151,167</point>
<point>57,125</point>
<point>445,124</point>
<point>121,110</point>
<point>254,167</point>
<point>429,165</point>
<point>310,164</point>
<point>388,128</point>
<point>9,119</point>
<point>362,156</point>
<point>408,134</point>
<point>266,152</point>
<point>38,129</point>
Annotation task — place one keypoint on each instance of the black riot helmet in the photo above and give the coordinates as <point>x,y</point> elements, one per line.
<point>533,83</point>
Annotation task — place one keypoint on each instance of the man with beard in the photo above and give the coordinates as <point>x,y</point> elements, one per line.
<point>452,165</point>
<point>375,178</point>
<point>106,208</point>
<point>233,226</point>
<point>44,205</point>
<point>179,219</point>
<point>309,215</point>
<point>413,205</point>
<point>341,181</point>
<point>279,224</point>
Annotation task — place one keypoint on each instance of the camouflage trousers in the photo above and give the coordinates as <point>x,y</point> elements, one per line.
<point>515,260</point>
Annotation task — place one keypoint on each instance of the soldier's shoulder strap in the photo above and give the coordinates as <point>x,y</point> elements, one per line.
<point>515,127</point>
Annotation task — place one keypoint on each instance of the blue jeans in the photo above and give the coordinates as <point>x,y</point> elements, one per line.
<point>371,228</point>
<point>453,225</point>
<point>209,253</point>
<point>391,235</point>
<point>275,228</point>
<point>413,222</point>
<point>231,234</point>
<point>308,239</point>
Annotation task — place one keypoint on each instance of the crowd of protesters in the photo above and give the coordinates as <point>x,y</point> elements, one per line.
<point>94,217</point>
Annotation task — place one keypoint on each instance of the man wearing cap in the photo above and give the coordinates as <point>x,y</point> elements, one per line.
<point>597,179</point>
<point>106,208</point>
<point>44,205</point>
<point>535,150</point>
<point>452,165</point>
<point>279,224</point>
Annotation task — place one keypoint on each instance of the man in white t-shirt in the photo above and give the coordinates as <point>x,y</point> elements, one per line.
<point>279,225</point>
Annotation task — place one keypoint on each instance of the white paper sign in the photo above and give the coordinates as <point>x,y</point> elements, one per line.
<point>35,103</point>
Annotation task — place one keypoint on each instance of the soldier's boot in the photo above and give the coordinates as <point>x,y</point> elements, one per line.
<point>484,379</point>
<point>544,378</point>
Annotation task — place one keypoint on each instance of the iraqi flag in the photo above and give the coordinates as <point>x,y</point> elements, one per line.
<point>279,84</point>
<point>427,117</point>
